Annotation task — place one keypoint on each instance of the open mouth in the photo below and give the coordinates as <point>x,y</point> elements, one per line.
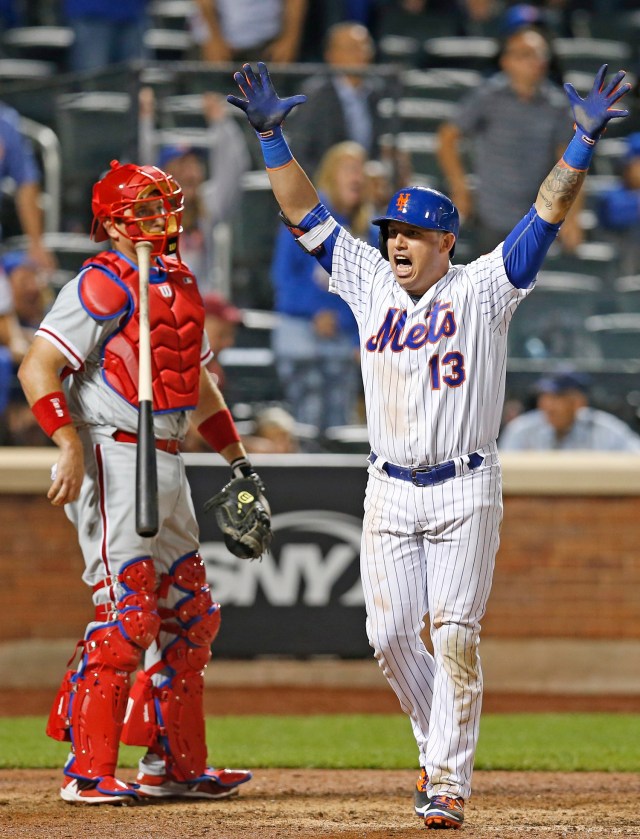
<point>402,264</point>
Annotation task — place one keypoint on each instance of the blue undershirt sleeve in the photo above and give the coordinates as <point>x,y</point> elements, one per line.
<point>316,217</point>
<point>525,248</point>
<point>326,257</point>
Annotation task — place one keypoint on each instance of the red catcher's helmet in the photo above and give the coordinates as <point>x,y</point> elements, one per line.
<point>135,197</point>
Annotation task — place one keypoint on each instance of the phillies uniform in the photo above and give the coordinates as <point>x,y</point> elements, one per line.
<point>151,592</point>
<point>102,397</point>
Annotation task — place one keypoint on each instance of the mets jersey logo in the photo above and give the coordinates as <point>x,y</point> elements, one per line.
<point>439,322</point>
<point>401,202</point>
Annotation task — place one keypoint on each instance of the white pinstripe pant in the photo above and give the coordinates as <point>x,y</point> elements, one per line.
<point>432,549</point>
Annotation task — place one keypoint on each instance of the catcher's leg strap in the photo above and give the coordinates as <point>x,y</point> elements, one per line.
<point>168,716</point>
<point>194,616</point>
<point>132,602</point>
<point>90,706</point>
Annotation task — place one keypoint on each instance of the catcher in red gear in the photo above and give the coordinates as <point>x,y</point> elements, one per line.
<point>153,606</point>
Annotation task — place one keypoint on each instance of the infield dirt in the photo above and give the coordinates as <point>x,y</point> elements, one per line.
<point>345,804</point>
<point>320,804</point>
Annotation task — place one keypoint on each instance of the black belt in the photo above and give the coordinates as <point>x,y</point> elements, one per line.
<point>423,476</point>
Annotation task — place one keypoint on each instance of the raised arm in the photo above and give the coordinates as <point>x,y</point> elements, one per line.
<point>525,248</point>
<point>561,186</point>
<point>266,112</point>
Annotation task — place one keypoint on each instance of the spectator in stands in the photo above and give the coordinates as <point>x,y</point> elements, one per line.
<point>480,18</point>
<point>378,186</point>
<point>32,294</point>
<point>105,32</point>
<point>344,105</point>
<point>563,420</point>
<point>618,209</point>
<point>547,20</point>
<point>24,298</point>
<point>8,332</point>
<point>315,341</point>
<point>274,433</point>
<point>211,181</point>
<point>18,164</point>
<point>517,127</point>
<point>243,30</point>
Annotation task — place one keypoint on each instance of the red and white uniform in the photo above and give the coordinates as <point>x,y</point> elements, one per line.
<point>93,322</point>
<point>150,593</point>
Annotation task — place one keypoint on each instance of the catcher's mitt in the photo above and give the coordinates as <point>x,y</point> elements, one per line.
<point>242,514</point>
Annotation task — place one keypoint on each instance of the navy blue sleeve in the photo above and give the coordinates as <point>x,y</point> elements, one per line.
<point>525,248</point>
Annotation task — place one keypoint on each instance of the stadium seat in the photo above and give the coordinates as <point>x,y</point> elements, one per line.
<point>41,43</point>
<point>587,54</point>
<point>609,156</point>
<point>70,249</point>
<point>417,113</point>
<point>445,83</point>
<point>598,258</point>
<point>422,146</point>
<point>550,322</point>
<point>617,335</point>
<point>25,69</point>
<point>86,126</point>
<point>254,228</point>
<point>400,49</point>
<point>170,13</point>
<point>466,52</point>
<point>168,44</point>
<point>183,111</point>
<point>400,34</point>
<point>627,291</point>
<point>252,377</point>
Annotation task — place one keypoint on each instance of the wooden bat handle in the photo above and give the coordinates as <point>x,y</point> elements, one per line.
<point>146,466</point>
<point>145,388</point>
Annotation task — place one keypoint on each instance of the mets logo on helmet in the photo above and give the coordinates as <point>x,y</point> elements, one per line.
<point>401,202</point>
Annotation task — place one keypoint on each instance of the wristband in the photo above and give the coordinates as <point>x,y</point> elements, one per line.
<point>241,468</point>
<point>51,412</point>
<point>219,430</point>
<point>580,150</point>
<point>275,150</point>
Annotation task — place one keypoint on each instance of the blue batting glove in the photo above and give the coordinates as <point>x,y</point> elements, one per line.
<point>593,113</point>
<point>262,105</point>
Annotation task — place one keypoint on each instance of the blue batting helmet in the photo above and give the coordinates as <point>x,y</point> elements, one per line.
<point>422,207</point>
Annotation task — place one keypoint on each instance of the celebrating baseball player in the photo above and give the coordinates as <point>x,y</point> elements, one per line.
<point>433,340</point>
<point>150,593</point>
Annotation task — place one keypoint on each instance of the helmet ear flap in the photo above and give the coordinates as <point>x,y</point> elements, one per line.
<point>383,236</point>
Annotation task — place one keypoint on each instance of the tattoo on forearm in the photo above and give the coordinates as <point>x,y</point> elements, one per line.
<point>559,189</point>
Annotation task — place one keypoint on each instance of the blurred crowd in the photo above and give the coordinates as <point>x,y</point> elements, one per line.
<point>360,133</point>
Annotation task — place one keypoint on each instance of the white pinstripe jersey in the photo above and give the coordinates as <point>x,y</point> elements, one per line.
<point>80,338</point>
<point>433,371</point>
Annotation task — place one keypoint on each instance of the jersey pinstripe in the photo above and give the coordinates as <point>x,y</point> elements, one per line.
<point>434,375</point>
<point>433,380</point>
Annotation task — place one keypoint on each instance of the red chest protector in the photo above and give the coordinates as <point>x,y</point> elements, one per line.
<point>108,288</point>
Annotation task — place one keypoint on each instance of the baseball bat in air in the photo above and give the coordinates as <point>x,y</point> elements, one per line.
<point>146,467</point>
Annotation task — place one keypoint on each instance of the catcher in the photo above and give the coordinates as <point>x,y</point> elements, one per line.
<point>152,602</point>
